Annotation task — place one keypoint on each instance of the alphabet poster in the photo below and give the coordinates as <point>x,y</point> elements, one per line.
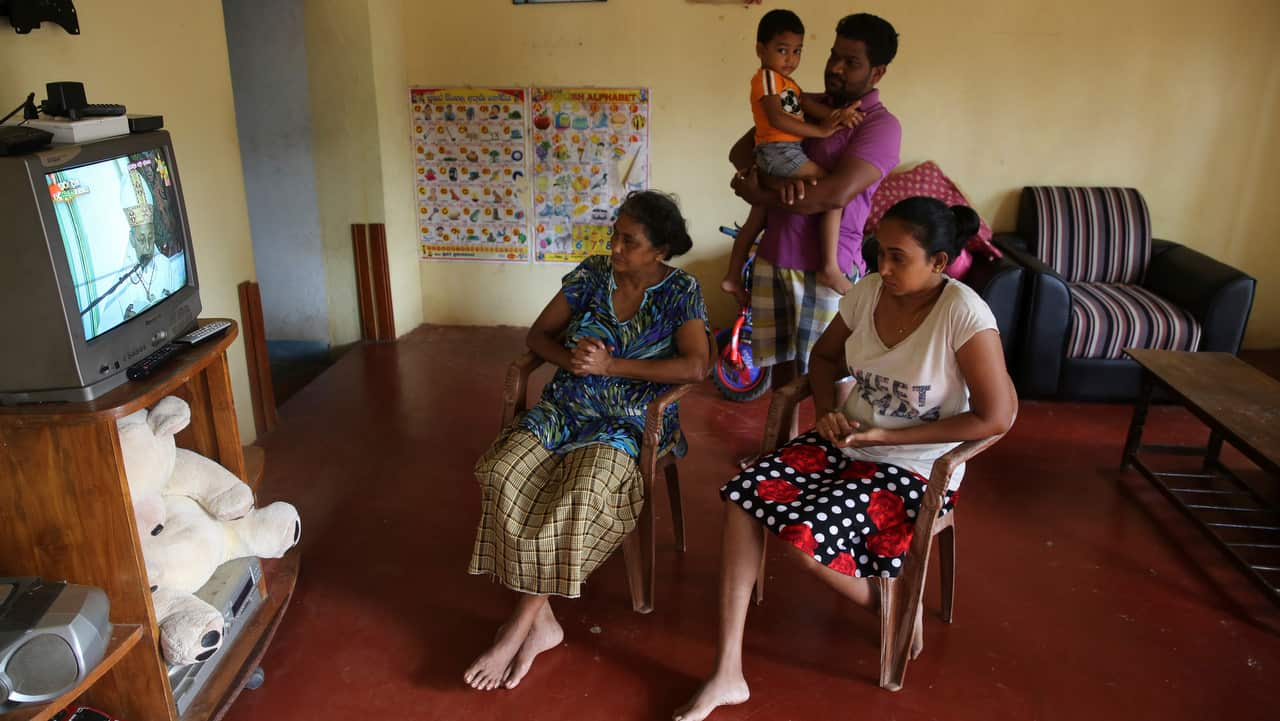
<point>590,148</point>
<point>471,173</point>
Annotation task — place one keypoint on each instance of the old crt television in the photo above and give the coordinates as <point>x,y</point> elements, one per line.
<point>96,267</point>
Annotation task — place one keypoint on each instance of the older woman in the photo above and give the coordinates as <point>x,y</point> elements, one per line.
<point>561,487</point>
<point>929,372</point>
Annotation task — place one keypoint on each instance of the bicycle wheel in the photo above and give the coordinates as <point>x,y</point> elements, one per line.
<point>739,382</point>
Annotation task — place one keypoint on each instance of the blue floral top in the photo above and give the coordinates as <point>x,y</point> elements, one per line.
<point>577,411</point>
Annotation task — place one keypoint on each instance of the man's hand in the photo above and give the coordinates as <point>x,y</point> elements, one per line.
<point>748,187</point>
<point>790,189</point>
<point>591,357</point>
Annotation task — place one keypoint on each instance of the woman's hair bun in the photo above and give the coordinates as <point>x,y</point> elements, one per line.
<point>967,223</point>
<point>661,218</point>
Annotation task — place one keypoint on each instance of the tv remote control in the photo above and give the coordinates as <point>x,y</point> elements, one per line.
<point>148,365</point>
<point>204,332</point>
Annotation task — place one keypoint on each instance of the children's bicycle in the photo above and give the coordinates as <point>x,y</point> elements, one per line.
<point>735,375</point>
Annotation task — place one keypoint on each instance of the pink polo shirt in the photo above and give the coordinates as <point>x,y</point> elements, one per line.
<point>791,240</point>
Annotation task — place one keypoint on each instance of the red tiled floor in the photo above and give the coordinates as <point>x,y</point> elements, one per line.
<point>1081,593</point>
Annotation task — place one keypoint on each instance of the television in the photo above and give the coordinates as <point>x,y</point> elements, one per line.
<point>96,266</point>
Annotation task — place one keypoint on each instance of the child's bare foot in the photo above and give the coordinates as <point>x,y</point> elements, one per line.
<point>835,280</point>
<point>716,692</point>
<point>732,284</point>
<point>492,667</point>
<point>545,635</point>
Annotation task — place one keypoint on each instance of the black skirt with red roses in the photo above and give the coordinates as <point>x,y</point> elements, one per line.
<point>853,516</point>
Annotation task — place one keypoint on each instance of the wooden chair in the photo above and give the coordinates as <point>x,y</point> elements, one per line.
<point>638,548</point>
<point>900,597</point>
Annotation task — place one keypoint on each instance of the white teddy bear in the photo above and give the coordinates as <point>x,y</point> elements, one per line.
<point>193,515</point>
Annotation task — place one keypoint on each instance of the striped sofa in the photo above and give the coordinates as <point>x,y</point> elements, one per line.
<point>1098,283</point>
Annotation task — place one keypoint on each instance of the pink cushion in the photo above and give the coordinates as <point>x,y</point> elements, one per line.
<point>958,267</point>
<point>927,179</point>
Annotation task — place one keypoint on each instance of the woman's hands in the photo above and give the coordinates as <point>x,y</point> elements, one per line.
<point>591,357</point>
<point>843,433</point>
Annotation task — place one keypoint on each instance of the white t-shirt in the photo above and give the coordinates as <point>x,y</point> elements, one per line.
<point>916,381</point>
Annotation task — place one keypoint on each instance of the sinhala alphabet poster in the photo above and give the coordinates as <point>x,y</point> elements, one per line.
<point>470,168</point>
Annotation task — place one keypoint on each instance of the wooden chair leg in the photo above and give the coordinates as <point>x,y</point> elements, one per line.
<point>947,566</point>
<point>677,505</point>
<point>888,630</point>
<point>638,552</point>
<point>764,543</point>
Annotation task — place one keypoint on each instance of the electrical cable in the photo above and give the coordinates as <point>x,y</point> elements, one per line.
<point>29,101</point>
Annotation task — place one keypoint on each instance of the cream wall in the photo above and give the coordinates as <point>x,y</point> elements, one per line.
<point>170,59</point>
<point>360,121</point>
<point>344,144</point>
<point>1178,99</point>
<point>390,83</point>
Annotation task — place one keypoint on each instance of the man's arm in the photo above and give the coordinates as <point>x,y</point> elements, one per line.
<point>851,176</point>
<point>814,108</point>
<point>743,152</point>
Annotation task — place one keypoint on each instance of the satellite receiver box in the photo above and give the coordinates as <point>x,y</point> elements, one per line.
<point>233,590</point>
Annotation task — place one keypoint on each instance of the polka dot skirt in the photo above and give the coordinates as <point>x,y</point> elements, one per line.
<point>854,516</point>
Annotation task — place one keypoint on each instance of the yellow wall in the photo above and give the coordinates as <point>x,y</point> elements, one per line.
<point>390,89</point>
<point>169,59</point>
<point>360,131</point>
<point>344,144</point>
<point>1178,99</point>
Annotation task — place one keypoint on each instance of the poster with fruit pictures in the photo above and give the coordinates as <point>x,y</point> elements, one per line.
<point>471,173</point>
<point>590,147</point>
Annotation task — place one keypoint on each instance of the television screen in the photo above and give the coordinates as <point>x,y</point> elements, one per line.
<point>121,229</point>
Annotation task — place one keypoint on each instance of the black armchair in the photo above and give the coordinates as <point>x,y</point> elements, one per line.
<point>1097,283</point>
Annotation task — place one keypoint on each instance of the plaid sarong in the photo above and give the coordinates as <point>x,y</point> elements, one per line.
<point>789,311</point>
<point>548,520</point>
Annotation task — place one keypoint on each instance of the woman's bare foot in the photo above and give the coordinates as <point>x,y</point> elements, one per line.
<point>835,280</point>
<point>545,635</point>
<point>492,667</point>
<point>732,284</point>
<point>716,692</point>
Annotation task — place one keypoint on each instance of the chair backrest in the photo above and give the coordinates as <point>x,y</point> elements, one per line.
<point>1088,235</point>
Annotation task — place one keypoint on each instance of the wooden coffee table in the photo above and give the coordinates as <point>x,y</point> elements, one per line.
<point>1241,406</point>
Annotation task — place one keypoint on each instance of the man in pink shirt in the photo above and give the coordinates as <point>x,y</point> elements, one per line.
<point>790,309</point>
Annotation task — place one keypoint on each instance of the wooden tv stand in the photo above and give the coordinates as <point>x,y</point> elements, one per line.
<point>65,513</point>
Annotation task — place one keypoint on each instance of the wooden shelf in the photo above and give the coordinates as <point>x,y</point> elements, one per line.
<point>245,653</point>
<point>255,461</point>
<point>123,638</point>
<point>61,464</point>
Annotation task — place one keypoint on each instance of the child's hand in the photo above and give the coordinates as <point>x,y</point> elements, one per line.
<point>850,116</point>
<point>833,123</point>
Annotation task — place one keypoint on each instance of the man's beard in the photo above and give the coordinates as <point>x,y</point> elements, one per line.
<point>844,95</point>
